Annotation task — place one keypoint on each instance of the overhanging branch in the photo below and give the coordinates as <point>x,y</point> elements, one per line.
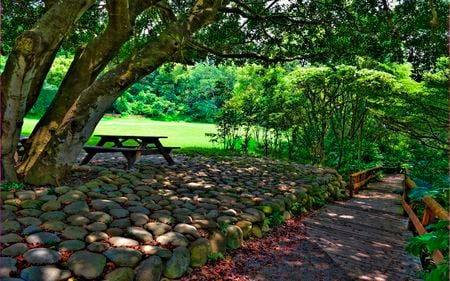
<point>250,55</point>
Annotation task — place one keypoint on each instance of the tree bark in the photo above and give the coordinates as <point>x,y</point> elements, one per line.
<point>89,61</point>
<point>26,69</point>
<point>65,135</point>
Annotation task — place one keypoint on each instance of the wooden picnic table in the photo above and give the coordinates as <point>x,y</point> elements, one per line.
<point>146,145</point>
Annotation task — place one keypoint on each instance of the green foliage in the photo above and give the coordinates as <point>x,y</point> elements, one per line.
<point>216,256</point>
<point>46,96</point>
<point>223,227</point>
<point>297,208</point>
<point>12,186</point>
<point>274,219</point>
<point>440,272</point>
<point>177,92</point>
<point>51,191</point>
<point>436,239</point>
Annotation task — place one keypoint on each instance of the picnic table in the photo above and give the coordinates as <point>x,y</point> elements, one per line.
<point>146,145</point>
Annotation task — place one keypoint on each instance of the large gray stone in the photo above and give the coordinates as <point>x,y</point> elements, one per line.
<point>77,220</point>
<point>29,221</point>
<point>177,265</point>
<point>74,232</point>
<point>10,226</point>
<point>98,247</point>
<point>218,241</point>
<point>122,242</point>
<point>10,238</point>
<point>6,266</point>
<point>121,223</point>
<point>96,237</point>
<point>43,238</point>
<point>199,250</point>
<point>44,273</point>
<point>158,228</point>
<point>72,245</point>
<point>104,205</point>
<point>51,205</point>
<point>97,226</point>
<point>140,234</point>
<point>138,218</point>
<point>31,229</point>
<point>15,250</point>
<point>184,228</point>
<point>149,269</point>
<point>77,207</point>
<point>53,216</point>
<point>119,213</point>
<point>100,217</point>
<point>40,256</point>
<point>72,196</point>
<point>26,195</point>
<point>120,274</point>
<point>86,264</point>
<point>124,256</point>
<point>172,238</point>
<point>234,236</point>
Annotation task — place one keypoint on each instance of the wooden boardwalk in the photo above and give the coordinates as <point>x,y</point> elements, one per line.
<point>366,235</point>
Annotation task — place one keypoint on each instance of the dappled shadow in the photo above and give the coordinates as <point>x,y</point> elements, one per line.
<point>156,207</point>
<point>367,235</point>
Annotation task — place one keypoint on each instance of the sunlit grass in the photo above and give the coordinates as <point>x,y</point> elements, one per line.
<point>181,134</point>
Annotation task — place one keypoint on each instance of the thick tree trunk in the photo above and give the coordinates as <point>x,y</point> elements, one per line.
<point>89,61</point>
<point>48,161</point>
<point>26,69</point>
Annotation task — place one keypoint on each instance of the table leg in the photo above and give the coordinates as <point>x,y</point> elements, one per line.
<point>131,157</point>
<point>163,152</point>
<point>91,155</point>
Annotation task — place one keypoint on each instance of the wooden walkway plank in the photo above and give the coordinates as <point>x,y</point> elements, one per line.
<point>366,235</point>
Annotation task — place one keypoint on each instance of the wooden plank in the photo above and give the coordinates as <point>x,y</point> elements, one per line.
<point>414,219</point>
<point>364,229</point>
<point>362,213</point>
<point>437,256</point>
<point>103,149</point>
<point>365,171</point>
<point>362,242</point>
<point>361,270</point>
<point>367,234</point>
<point>436,208</point>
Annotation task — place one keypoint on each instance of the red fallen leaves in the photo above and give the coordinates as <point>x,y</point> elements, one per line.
<point>252,255</point>
<point>110,266</point>
<point>65,255</point>
<point>21,263</point>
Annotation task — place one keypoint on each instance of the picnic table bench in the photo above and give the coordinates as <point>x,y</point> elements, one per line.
<point>147,145</point>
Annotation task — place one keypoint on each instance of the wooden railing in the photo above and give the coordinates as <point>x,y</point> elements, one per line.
<point>361,178</point>
<point>433,210</point>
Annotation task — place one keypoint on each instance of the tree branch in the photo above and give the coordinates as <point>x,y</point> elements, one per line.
<point>249,55</point>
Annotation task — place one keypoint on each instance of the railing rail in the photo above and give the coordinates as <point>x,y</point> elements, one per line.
<point>432,211</point>
<point>361,178</point>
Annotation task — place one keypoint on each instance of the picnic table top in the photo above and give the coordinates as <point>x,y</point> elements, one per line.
<point>131,136</point>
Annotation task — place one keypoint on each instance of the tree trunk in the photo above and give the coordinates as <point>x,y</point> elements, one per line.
<point>48,161</point>
<point>89,61</point>
<point>56,145</point>
<point>26,69</point>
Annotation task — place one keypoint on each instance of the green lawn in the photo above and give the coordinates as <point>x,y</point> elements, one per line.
<point>181,134</point>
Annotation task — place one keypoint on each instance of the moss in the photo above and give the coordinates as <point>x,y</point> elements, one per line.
<point>25,45</point>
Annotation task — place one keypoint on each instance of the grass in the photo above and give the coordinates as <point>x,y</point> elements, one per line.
<point>183,134</point>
